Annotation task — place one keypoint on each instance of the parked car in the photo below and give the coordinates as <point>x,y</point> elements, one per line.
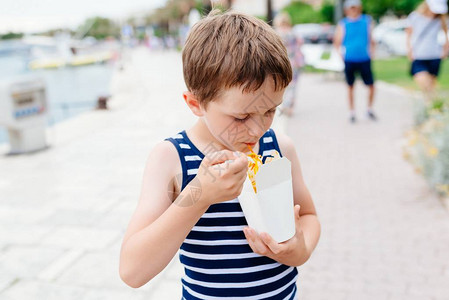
<point>393,37</point>
<point>328,32</point>
<point>312,33</point>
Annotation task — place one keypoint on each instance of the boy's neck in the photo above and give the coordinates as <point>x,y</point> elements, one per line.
<point>201,137</point>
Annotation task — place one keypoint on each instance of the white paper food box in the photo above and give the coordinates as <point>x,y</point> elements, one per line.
<point>271,209</point>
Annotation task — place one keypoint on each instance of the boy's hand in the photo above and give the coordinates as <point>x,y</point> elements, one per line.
<point>292,250</point>
<point>221,175</point>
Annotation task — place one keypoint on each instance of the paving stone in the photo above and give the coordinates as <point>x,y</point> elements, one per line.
<point>22,216</point>
<point>22,235</point>
<point>80,238</point>
<point>95,269</point>
<point>57,267</point>
<point>167,290</point>
<point>72,217</point>
<point>6,279</point>
<point>115,294</point>
<point>35,290</point>
<point>27,261</point>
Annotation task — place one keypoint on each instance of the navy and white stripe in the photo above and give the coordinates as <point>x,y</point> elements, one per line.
<point>218,262</point>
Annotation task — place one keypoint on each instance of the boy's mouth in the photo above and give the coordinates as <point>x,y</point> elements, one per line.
<point>250,144</point>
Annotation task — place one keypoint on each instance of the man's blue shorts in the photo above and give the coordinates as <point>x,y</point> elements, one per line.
<point>432,66</point>
<point>364,68</point>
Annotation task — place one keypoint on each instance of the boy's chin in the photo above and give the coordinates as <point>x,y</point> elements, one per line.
<point>238,147</point>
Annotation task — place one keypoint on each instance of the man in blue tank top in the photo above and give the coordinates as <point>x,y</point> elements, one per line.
<point>353,39</point>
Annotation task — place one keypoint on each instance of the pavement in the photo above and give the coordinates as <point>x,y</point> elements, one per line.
<point>63,211</point>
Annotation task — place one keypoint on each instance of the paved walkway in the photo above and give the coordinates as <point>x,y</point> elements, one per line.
<point>384,235</point>
<point>63,211</point>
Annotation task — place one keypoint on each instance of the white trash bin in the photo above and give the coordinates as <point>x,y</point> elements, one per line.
<point>23,111</point>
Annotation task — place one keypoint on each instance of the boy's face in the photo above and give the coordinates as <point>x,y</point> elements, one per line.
<point>238,120</point>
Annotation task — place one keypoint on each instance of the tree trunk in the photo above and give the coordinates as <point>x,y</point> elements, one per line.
<point>270,12</point>
<point>338,11</point>
<point>207,5</point>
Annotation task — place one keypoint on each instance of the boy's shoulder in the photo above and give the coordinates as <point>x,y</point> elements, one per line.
<point>286,145</point>
<point>163,148</point>
<point>164,154</point>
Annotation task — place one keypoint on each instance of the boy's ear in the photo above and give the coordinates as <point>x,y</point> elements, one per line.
<point>193,103</point>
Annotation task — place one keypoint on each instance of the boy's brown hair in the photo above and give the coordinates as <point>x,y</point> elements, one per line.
<point>233,49</point>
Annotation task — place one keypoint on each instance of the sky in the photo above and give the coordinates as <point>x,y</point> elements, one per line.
<point>38,15</point>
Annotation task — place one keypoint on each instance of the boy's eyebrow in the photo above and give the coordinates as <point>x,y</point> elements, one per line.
<point>251,112</point>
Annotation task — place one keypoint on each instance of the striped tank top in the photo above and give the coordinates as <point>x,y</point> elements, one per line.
<point>218,262</point>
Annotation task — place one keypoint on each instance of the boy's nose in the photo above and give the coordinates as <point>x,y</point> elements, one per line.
<point>255,129</point>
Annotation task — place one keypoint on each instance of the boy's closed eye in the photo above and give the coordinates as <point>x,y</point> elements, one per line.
<point>242,120</point>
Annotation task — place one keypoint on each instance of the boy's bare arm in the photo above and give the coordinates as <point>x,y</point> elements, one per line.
<point>158,227</point>
<point>297,250</point>
<point>308,220</point>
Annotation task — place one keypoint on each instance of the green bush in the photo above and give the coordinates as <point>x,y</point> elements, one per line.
<point>428,144</point>
<point>327,12</point>
<point>303,13</point>
<point>11,36</point>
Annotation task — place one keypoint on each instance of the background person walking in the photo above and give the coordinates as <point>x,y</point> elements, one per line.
<point>353,39</point>
<point>292,43</point>
<point>424,51</point>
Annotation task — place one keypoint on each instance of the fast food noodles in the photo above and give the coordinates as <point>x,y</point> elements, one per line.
<point>255,162</point>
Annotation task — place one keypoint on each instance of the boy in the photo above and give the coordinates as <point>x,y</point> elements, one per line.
<point>354,33</point>
<point>236,70</point>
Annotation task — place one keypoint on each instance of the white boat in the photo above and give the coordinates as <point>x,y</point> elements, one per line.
<point>62,51</point>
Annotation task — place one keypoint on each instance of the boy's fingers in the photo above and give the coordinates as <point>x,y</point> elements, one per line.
<point>297,209</point>
<point>297,216</point>
<point>257,242</point>
<point>272,244</point>
<point>240,169</point>
<point>250,240</point>
<point>238,165</point>
<point>218,157</point>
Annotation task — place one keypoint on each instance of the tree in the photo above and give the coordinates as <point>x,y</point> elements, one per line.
<point>99,28</point>
<point>404,7</point>
<point>303,13</point>
<point>378,8</point>
<point>327,12</point>
<point>11,36</point>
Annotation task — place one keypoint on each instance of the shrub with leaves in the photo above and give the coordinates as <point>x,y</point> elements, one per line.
<point>428,144</point>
